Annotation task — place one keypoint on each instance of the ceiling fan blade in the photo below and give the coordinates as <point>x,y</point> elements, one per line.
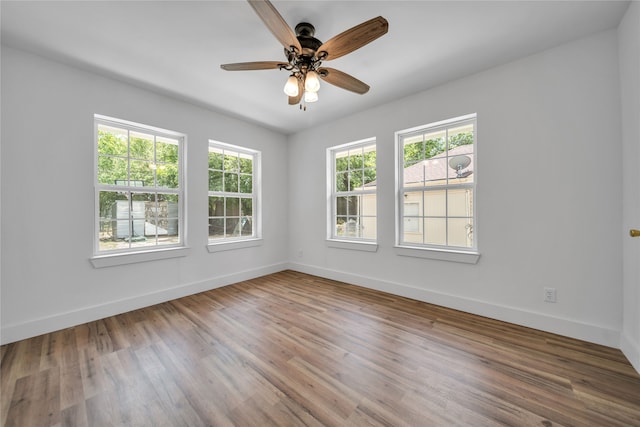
<point>293,100</point>
<point>276,23</point>
<point>259,65</point>
<point>343,80</point>
<point>352,39</point>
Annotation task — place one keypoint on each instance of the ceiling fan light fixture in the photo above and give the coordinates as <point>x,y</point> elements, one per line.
<point>311,81</point>
<point>291,87</point>
<point>310,96</point>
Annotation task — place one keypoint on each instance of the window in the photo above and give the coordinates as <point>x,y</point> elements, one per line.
<point>437,178</point>
<point>139,187</point>
<point>233,193</point>
<point>353,191</point>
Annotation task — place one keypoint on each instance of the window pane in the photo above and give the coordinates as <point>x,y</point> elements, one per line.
<point>231,182</point>
<point>141,173</point>
<point>352,227</point>
<point>231,161</point>
<point>112,141</point>
<point>167,219</point>
<point>414,175</point>
<point>461,135</point>
<point>368,205</point>
<point>355,180</point>
<point>356,159</point>
<point>246,163</point>
<point>435,143</point>
<point>340,230</point>
<point>112,170</point>
<point>167,150</point>
<point>413,148</point>
<point>246,184</point>
<point>342,181</point>
<point>436,170</point>
<point>370,156</point>
<point>246,226</point>
<point>369,176</point>
<point>232,227</point>
<point>247,207</point>
<point>215,158</point>
<point>129,219</point>
<point>141,146</point>
<point>435,203</point>
<point>167,176</point>
<point>368,227</point>
<point>412,229</point>
<point>232,207</point>
<point>461,202</point>
<point>460,232</point>
<point>215,181</point>
<point>342,202</point>
<point>216,206</point>
<point>435,231</point>
<point>114,220</point>
<point>342,161</point>
<point>351,205</point>
<point>413,203</point>
<point>216,228</point>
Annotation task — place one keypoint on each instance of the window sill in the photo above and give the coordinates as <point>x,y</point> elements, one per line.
<point>111,260</point>
<point>229,246</point>
<point>439,254</point>
<point>351,245</point>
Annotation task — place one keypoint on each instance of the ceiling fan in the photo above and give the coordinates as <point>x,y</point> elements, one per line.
<point>305,54</point>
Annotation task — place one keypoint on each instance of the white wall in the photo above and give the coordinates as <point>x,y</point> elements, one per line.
<point>629,53</point>
<point>549,194</point>
<point>47,280</point>
<point>549,131</point>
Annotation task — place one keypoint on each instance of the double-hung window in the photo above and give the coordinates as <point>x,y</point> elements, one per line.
<point>352,183</point>
<point>437,178</point>
<point>234,196</point>
<point>139,187</point>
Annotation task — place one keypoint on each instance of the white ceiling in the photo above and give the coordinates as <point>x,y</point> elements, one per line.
<point>176,47</point>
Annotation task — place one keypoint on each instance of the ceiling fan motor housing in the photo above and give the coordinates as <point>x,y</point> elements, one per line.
<point>304,34</point>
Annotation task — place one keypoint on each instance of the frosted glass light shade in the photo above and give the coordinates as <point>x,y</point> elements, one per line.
<point>310,96</point>
<point>312,82</point>
<point>291,87</point>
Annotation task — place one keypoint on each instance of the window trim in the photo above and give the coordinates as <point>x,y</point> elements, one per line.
<point>438,252</point>
<point>114,257</point>
<point>240,242</point>
<point>343,242</point>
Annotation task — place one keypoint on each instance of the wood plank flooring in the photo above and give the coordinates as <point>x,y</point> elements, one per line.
<point>291,349</point>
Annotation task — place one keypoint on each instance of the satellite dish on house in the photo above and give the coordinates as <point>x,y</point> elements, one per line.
<point>458,163</point>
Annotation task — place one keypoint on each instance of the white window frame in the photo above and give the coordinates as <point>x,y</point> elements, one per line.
<point>347,242</point>
<point>108,258</point>
<point>239,242</point>
<point>469,255</point>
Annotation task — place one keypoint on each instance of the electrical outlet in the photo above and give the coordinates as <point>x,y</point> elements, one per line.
<point>549,294</point>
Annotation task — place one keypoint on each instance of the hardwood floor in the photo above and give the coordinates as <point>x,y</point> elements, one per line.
<point>291,349</point>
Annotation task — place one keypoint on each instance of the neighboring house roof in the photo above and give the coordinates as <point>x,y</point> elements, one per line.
<point>436,168</point>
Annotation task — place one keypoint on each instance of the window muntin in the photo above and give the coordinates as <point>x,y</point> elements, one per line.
<point>233,195</point>
<point>437,179</point>
<point>139,189</point>
<point>353,191</point>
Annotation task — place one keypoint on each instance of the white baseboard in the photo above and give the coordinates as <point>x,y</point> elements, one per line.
<point>18,331</point>
<point>592,333</point>
<point>561,326</point>
<point>631,350</point>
